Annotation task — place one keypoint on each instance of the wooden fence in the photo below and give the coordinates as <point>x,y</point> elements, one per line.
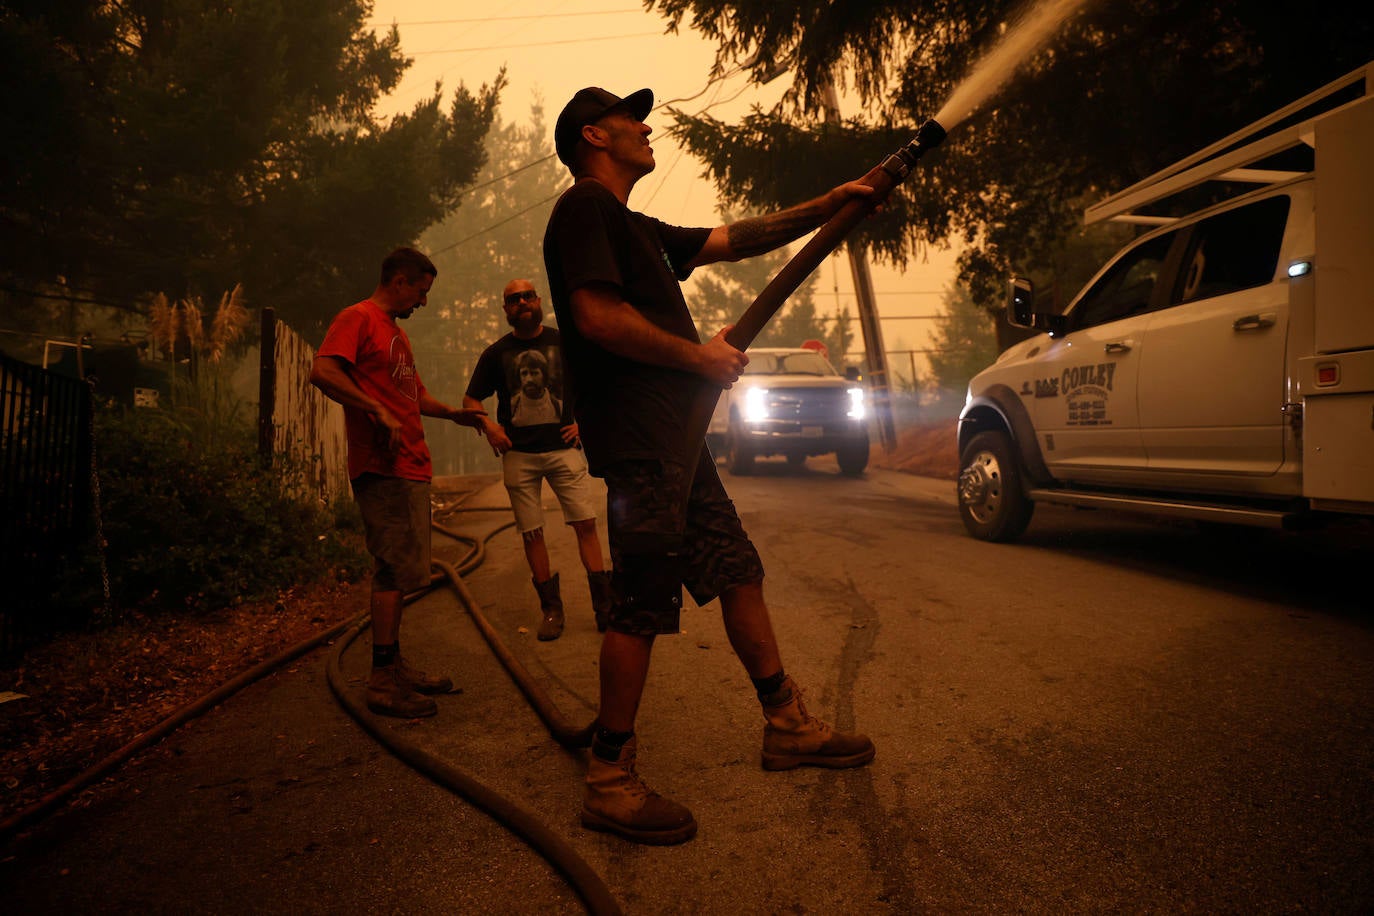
<point>299,429</point>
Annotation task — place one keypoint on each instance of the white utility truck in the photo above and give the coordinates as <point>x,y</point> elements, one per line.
<point>1218,368</point>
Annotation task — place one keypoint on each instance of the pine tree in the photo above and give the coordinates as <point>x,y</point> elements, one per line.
<point>187,145</point>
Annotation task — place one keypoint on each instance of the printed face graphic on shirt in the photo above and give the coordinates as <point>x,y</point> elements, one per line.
<point>534,389</point>
<point>403,368</point>
<point>532,382</point>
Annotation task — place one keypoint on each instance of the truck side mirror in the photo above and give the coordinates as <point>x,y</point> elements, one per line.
<point>1020,303</point>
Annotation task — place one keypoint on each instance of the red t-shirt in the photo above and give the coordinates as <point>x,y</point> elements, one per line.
<point>381,363</point>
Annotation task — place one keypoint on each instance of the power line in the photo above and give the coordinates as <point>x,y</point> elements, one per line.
<point>512,173</point>
<point>513,216</point>
<point>537,44</point>
<point>663,179</point>
<point>665,135</point>
<point>904,292</point>
<point>668,133</point>
<point>379,22</point>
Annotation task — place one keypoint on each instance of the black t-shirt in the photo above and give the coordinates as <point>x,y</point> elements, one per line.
<point>625,408</point>
<point>527,378</point>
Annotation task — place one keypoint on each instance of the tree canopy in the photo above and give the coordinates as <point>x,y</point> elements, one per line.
<point>184,146</point>
<point>1122,90</point>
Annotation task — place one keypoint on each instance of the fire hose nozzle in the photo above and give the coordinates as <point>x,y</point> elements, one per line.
<point>929,134</point>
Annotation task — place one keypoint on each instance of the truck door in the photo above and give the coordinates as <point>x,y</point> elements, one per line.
<point>1084,387</point>
<point>1211,384</point>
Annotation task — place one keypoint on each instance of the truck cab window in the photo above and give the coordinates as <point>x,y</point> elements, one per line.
<point>1126,288</point>
<point>1235,250</point>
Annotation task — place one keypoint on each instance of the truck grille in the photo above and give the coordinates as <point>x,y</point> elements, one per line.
<point>808,405</point>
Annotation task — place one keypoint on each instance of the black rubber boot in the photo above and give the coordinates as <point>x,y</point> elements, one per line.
<point>551,606</point>
<point>602,596</point>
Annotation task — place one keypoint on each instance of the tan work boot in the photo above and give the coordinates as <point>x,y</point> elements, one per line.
<point>792,737</point>
<point>421,682</point>
<point>602,596</point>
<point>551,606</point>
<point>617,801</point>
<point>388,694</point>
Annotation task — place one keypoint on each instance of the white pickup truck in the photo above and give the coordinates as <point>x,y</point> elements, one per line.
<point>1218,368</point>
<point>791,401</point>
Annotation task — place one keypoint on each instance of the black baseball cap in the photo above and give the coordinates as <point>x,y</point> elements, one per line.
<point>589,106</point>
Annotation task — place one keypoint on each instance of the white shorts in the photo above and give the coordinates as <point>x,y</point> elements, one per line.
<point>566,471</point>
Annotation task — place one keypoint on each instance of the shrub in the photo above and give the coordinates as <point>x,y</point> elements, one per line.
<point>192,520</point>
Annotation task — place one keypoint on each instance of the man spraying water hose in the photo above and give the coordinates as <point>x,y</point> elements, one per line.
<point>636,362</point>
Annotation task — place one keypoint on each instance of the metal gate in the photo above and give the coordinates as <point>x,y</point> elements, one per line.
<point>45,492</point>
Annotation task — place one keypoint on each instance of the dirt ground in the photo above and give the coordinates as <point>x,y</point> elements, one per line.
<point>85,695</point>
<point>930,451</point>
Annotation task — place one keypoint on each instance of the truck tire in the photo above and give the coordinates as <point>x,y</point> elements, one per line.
<point>738,458</point>
<point>853,458</point>
<point>992,503</point>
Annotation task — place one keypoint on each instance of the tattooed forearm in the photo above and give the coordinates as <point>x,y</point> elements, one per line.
<point>758,234</point>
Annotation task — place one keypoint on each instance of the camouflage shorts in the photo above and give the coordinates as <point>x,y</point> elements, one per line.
<point>661,541</point>
<point>396,521</point>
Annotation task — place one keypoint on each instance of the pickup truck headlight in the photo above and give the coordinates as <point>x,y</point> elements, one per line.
<point>856,404</point>
<point>755,405</point>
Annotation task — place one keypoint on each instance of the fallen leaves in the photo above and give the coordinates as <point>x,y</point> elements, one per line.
<point>87,694</point>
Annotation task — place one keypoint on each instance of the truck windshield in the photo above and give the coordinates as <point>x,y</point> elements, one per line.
<point>806,362</point>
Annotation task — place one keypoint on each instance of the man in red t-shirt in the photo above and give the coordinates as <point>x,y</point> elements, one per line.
<point>367,365</point>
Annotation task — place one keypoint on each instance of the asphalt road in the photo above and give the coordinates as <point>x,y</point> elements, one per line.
<point>1111,715</point>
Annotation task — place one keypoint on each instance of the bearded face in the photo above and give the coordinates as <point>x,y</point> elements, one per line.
<point>524,312</point>
<point>532,382</point>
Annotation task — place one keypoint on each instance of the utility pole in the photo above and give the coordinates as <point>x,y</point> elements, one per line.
<point>877,374</point>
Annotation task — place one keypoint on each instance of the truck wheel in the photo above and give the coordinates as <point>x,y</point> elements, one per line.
<point>853,458</point>
<point>738,458</point>
<point>991,501</point>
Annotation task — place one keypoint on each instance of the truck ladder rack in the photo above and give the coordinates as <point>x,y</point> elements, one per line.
<point>1228,158</point>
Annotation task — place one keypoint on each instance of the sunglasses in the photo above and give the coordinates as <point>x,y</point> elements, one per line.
<point>525,295</point>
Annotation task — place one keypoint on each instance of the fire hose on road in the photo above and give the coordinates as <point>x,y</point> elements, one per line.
<point>557,852</point>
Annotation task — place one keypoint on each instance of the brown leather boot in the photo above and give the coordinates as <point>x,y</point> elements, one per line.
<point>419,681</point>
<point>551,606</point>
<point>602,596</point>
<point>617,801</point>
<point>792,737</point>
<point>388,694</point>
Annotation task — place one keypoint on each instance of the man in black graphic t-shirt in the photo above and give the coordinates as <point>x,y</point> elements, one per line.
<point>635,362</point>
<point>537,439</point>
